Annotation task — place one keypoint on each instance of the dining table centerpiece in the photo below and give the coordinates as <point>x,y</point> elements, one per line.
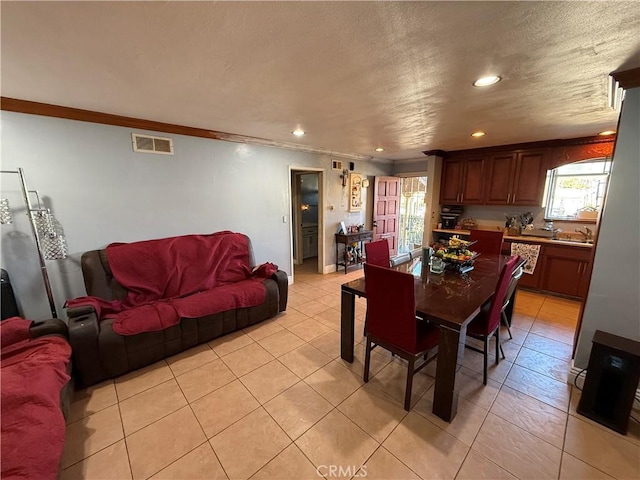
<point>455,253</point>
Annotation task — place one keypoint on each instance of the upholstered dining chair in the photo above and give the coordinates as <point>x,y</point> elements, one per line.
<point>377,253</point>
<point>487,323</point>
<point>489,241</point>
<point>416,253</point>
<point>392,323</point>
<point>513,284</point>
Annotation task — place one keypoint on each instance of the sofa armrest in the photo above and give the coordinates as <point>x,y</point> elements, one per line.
<point>282,280</point>
<point>80,310</point>
<point>83,337</point>
<point>53,326</point>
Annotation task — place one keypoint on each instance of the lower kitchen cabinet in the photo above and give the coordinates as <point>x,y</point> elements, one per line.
<point>566,270</point>
<point>561,269</point>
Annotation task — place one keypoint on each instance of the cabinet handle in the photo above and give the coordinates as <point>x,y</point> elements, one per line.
<point>580,268</point>
<point>509,198</point>
<point>461,197</point>
<point>513,200</point>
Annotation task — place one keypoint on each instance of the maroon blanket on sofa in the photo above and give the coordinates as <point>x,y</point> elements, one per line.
<point>179,277</point>
<point>33,373</point>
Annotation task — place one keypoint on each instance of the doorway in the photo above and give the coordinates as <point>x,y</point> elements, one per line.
<point>307,224</point>
<point>412,213</point>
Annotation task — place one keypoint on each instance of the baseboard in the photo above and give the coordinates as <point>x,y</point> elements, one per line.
<point>573,374</point>
<point>328,269</point>
<point>290,279</point>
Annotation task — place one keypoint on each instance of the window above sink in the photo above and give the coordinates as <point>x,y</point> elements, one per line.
<point>575,192</point>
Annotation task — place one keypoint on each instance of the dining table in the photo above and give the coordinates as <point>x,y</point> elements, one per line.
<point>449,300</point>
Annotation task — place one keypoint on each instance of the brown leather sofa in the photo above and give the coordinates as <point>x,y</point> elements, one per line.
<point>99,353</point>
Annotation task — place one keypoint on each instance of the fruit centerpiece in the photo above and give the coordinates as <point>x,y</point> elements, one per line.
<point>455,253</point>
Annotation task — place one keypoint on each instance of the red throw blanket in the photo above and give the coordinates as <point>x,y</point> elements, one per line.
<point>33,375</point>
<point>179,277</point>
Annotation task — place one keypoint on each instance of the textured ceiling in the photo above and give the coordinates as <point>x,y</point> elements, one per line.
<point>354,75</point>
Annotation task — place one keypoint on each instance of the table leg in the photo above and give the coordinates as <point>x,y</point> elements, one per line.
<point>450,351</point>
<point>348,310</point>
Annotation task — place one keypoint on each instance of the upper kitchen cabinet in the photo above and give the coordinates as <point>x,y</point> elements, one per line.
<point>516,178</point>
<point>511,174</point>
<point>462,181</point>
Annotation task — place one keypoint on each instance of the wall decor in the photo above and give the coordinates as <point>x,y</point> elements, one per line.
<point>355,196</point>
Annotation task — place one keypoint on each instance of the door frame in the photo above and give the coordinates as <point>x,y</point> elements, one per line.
<point>295,169</point>
<point>426,233</point>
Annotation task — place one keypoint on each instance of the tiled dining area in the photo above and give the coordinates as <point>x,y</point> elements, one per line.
<point>275,401</point>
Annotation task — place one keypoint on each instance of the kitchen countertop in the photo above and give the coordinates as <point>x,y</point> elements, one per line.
<point>523,239</point>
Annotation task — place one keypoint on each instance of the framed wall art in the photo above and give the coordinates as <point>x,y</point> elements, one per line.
<point>355,193</point>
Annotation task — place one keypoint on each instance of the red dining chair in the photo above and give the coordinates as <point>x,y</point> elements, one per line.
<point>392,324</point>
<point>489,241</point>
<point>377,253</point>
<point>487,322</point>
<point>513,284</point>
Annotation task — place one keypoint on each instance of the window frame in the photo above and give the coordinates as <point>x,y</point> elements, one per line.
<point>552,181</point>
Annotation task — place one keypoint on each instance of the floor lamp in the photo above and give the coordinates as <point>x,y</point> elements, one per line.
<point>50,241</point>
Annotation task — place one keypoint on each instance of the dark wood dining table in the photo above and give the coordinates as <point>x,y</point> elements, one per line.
<point>450,300</point>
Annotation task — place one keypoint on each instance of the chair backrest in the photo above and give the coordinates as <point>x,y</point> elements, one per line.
<point>391,306</point>
<point>497,301</point>
<point>377,252</point>
<point>401,258</point>
<point>489,241</point>
<point>513,283</point>
<point>416,253</point>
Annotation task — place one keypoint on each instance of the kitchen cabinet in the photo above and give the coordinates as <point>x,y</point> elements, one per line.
<point>566,271</point>
<point>516,178</point>
<point>462,181</point>
<point>561,269</point>
<point>309,242</point>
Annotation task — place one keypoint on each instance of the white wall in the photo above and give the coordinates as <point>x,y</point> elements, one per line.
<point>102,192</point>
<point>613,303</point>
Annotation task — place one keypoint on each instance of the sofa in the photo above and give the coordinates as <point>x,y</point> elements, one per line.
<point>36,390</point>
<point>152,299</point>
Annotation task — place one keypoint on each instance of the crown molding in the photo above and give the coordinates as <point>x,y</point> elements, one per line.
<point>564,142</point>
<point>69,113</point>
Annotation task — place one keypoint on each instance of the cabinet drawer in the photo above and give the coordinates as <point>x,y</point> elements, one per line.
<point>573,253</point>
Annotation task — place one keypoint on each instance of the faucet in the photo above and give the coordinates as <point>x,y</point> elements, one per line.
<point>587,234</point>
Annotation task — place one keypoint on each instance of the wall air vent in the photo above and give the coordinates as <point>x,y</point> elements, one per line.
<point>336,165</point>
<point>149,144</point>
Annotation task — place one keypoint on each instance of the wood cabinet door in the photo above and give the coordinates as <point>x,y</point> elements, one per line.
<point>500,179</point>
<point>473,181</point>
<point>386,210</point>
<point>562,275</point>
<point>529,178</point>
<point>583,283</point>
<point>452,171</point>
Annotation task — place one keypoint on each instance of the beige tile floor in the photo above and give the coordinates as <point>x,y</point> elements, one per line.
<point>276,402</point>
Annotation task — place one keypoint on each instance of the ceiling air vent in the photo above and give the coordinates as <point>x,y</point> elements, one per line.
<point>149,144</point>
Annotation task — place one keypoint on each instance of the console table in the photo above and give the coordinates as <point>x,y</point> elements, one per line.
<point>347,239</point>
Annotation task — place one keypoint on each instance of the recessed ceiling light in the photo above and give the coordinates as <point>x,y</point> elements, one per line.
<point>298,132</point>
<point>478,134</point>
<point>607,132</point>
<point>379,149</point>
<point>486,81</point>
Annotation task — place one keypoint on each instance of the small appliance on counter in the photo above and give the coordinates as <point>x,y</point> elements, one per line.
<point>449,215</point>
